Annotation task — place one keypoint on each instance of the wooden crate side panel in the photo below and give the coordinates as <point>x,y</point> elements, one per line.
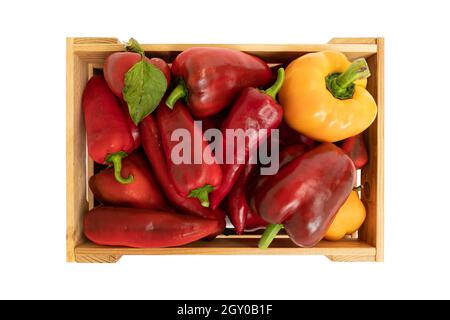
<point>372,177</point>
<point>76,151</point>
<point>87,252</point>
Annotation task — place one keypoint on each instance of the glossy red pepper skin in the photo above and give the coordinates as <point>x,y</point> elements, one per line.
<point>355,148</point>
<point>241,209</point>
<point>151,141</point>
<point>107,130</point>
<point>186,177</point>
<point>213,77</point>
<point>145,228</point>
<point>289,136</point>
<point>306,194</point>
<point>117,65</point>
<point>134,129</point>
<point>144,192</point>
<point>252,110</point>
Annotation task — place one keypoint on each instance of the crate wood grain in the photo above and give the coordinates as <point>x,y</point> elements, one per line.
<point>84,55</point>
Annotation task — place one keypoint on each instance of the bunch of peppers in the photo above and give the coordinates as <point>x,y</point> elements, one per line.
<point>135,116</point>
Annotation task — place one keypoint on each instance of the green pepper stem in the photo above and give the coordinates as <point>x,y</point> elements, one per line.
<point>179,92</point>
<point>341,85</point>
<point>133,46</point>
<point>202,194</point>
<point>273,90</point>
<point>269,234</point>
<point>116,160</point>
<point>356,71</point>
<point>358,188</point>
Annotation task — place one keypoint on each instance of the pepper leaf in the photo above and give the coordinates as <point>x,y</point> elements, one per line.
<point>144,88</point>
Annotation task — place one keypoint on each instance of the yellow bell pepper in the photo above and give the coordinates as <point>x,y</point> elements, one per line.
<point>348,219</point>
<point>324,96</point>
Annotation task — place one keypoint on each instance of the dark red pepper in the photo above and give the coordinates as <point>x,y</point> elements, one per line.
<point>210,78</point>
<point>252,110</point>
<point>144,192</point>
<point>240,212</point>
<point>290,136</point>
<point>151,141</point>
<point>145,228</point>
<point>190,179</point>
<point>117,65</point>
<point>355,148</point>
<point>108,135</point>
<point>305,195</point>
<point>134,129</point>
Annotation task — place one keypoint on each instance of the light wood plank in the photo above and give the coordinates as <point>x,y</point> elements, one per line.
<point>372,177</point>
<point>238,246</point>
<point>75,150</point>
<point>96,53</point>
<point>97,258</point>
<point>370,258</point>
<point>354,40</point>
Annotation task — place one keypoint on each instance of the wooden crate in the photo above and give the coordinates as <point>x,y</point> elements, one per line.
<point>86,54</point>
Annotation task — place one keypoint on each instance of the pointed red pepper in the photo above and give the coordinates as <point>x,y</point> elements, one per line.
<point>151,141</point>
<point>145,228</point>
<point>108,135</point>
<point>193,179</point>
<point>355,148</point>
<point>305,195</point>
<point>253,109</point>
<point>210,78</point>
<point>144,192</point>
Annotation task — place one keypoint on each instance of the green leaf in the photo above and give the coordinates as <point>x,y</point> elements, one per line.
<point>144,88</point>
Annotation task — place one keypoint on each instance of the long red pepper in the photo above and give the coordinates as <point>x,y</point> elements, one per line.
<point>145,228</point>
<point>210,78</point>
<point>144,192</point>
<point>151,141</point>
<point>240,212</point>
<point>305,195</point>
<point>253,110</point>
<point>191,179</point>
<point>108,135</point>
<point>355,148</point>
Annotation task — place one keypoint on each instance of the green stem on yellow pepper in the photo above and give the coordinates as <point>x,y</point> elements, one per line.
<point>342,85</point>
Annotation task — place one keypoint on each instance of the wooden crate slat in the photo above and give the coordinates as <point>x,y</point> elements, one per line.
<point>223,246</point>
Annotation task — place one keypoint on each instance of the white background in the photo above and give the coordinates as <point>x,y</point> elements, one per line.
<point>32,135</point>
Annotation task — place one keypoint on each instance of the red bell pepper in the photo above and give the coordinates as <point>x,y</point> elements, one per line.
<point>144,192</point>
<point>117,65</point>
<point>305,195</point>
<point>355,148</point>
<point>210,78</point>
<point>108,135</point>
<point>252,110</point>
<point>240,212</point>
<point>191,179</point>
<point>145,228</point>
<point>151,141</point>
